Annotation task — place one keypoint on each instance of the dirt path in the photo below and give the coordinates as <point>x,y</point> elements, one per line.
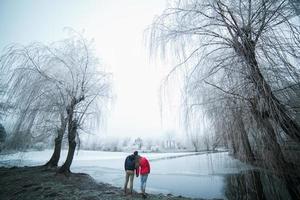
<point>39,183</point>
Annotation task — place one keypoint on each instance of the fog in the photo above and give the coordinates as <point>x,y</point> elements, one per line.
<point>182,82</point>
<point>117,28</point>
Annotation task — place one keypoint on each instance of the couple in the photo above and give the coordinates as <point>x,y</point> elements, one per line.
<point>141,166</point>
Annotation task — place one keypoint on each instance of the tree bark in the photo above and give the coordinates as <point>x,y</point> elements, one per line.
<point>258,185</point>
<point>72,131</point>
<point>53,162</point>
<point>275,158</point>
<point>273,108</point>
<point>291,184</point>
<point>248,153</point>
<point>234,143</point>
<point>65,168</point>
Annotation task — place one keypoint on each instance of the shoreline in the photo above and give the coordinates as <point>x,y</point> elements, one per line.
<point>27,183</point>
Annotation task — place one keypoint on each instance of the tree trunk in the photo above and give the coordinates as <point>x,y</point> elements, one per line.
<point>247,150</point>
<point>258,186</point>
<point>274,158</point>
<point>273,108</point>
<point>53,162</point>
<point>291,185</point>
<point>72,145</point>
<point>234,143</point>
<point>72,131</point>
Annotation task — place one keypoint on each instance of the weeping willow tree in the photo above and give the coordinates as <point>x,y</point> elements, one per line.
<point>240,61</point>
<point>57,88</point>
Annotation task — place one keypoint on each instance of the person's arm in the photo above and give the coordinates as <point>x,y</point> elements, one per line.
<point>137,172</point>
<point>137,168</point>
<point>148,166</point>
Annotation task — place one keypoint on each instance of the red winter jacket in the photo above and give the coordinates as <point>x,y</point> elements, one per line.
<point>144,166</point>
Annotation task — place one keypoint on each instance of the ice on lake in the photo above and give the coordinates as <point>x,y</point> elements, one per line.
<point>192,176</point>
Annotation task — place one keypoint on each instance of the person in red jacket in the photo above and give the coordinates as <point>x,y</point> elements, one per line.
<point>144,170</point>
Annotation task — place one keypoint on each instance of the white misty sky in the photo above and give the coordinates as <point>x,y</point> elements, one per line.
<point>117,27</point>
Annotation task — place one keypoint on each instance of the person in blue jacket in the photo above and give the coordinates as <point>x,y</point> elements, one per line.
<point>130,165</point>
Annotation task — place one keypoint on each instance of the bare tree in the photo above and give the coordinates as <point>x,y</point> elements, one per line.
<point>261,35</point>
<point>240,60</point>
<point>63,79</point>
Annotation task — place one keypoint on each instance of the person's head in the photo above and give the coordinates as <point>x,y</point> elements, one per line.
<point>135,153</point>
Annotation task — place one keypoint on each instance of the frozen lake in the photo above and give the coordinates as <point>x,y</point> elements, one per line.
<point>192,176</point>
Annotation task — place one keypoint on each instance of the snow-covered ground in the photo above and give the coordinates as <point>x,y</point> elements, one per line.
<point>194,176</point>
